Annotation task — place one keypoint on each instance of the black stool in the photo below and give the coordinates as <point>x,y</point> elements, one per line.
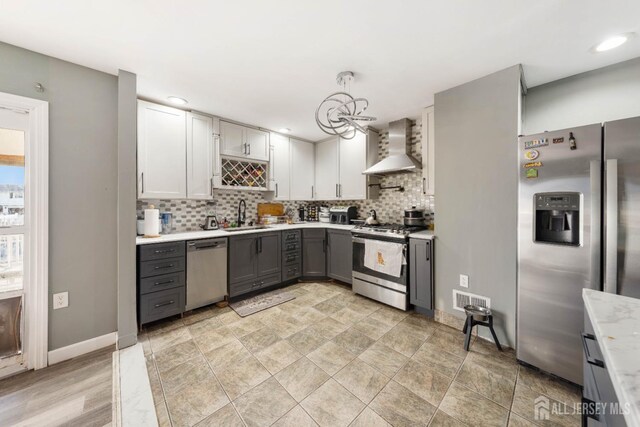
<point>478,316</point>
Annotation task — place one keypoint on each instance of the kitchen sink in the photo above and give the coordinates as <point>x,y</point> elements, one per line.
<point>248,228</point>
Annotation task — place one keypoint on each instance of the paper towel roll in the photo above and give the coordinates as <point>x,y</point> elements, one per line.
<point>151,222</point>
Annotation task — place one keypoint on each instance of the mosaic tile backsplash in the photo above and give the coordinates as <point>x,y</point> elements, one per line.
<point>188,215</point>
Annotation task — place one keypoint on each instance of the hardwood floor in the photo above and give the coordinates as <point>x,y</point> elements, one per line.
<point>77,392</point>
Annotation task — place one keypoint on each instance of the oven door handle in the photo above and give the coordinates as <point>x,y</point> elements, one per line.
<point>357,240</point>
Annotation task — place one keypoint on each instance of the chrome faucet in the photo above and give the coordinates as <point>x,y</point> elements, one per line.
<point>242,212</point>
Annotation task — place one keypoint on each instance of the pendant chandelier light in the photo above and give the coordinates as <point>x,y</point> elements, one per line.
<point>340,112</point>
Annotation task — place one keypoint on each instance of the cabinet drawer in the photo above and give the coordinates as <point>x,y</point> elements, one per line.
<point>159,305</point>
<point>161,251</point>
<point>291,246</point>
<point>290,272</point>
<point>253,285</point>
<point>160,283</point>
<point>290,236</point>
<point>292,257</point>
<point>164,266</point>
<point>313,233</point>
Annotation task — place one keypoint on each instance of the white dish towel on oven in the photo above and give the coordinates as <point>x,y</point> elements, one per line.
<point>384,257</point>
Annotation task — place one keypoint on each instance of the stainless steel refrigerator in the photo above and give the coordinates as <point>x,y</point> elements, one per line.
<point>578,227</point>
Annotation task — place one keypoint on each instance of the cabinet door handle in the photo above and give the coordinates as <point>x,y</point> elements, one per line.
<point>161,267</point>
<point>590,360</point>
<point>428,251</point>
<point>312,191</point>
<point>166,251</point>
<point>211,186</point>
<point>164,303</point>
<point>424,185</point>
<point>590,412</point>
<point>336,190</point>
<point>142,178</point>
<point>276,189</point>
<point>339,190</point>
<point>166,282</point>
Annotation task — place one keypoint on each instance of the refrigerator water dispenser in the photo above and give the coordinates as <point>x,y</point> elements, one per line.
<point>557,218</point>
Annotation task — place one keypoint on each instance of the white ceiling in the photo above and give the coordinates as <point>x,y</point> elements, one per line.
<point>270,62</point>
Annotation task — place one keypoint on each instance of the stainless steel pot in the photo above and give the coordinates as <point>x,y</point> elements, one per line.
<point>414,217</point>
<point>415,222</point>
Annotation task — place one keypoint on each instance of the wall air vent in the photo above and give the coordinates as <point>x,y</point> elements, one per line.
<point>460,299</point>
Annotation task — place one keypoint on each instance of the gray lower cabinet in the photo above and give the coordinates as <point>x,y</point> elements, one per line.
<point>598,391</point>
<point>161,281</point>
<point>291,255</point>
<point>339,255</point>
<point>421,273</point>
<point>243,258</point>
<point>268,253</point>
<point>254,262</point>
<point>314,260</point>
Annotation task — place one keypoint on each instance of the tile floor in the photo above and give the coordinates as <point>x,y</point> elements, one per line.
<point>332,358</point>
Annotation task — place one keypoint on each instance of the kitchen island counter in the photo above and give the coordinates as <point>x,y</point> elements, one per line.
<point>616,323</point>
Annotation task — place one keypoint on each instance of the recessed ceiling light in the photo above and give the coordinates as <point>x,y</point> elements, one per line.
<point>177,101</point>
<point>611,42</point>
<point>285,130</point>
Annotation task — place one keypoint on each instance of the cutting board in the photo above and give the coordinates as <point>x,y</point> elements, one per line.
<point>274,209</point>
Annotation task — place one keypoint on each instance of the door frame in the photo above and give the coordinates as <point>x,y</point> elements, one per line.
<point>36,295</point>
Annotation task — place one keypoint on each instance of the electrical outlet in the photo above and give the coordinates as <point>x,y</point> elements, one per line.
<point>60,300</point>
<point>464,280</point>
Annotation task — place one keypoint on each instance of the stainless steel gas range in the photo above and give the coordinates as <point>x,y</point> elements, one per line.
<point>373,284</point>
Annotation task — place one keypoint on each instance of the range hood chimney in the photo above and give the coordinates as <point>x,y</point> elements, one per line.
<point>400,159</point>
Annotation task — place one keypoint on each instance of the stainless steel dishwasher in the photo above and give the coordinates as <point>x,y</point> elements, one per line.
<point>206,272</point>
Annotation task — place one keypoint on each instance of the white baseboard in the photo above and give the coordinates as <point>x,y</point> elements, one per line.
<point>80,348</point>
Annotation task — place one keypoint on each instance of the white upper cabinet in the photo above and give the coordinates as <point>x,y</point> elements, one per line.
<point>353,161</point>
<point>200,156</point>
<point>302,170</point>
<point>243,141</point>
<point>428,152</point>
<point>257,144</point>
<point>232,142</point>
<point>279,167</point>
<point>339,166</point>
<point>161,152</point>
<point>327,186</point>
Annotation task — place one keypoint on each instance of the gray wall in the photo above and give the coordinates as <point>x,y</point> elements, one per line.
<point>608,93</point>
<point>127,130</point>
<point>82,187</point>
<point>476,127</point>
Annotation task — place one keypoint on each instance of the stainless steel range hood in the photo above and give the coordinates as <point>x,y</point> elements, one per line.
<point>400,159</point>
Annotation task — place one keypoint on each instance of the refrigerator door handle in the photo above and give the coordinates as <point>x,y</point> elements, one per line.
<point>611,242</point>
<point>595,222</point>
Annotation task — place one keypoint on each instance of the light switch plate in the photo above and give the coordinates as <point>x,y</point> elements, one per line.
<point>60,300</point>
<point>464,280</point>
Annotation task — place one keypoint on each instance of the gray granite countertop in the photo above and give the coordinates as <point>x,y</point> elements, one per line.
<point>616,322</point>
<point>207,234</point>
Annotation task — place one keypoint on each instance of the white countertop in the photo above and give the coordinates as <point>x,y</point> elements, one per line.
<point>616,323</point>
<point>206,234</point>
<point>423,235</point>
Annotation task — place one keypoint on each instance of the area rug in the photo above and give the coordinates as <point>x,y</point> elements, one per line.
<point>258,303</point>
